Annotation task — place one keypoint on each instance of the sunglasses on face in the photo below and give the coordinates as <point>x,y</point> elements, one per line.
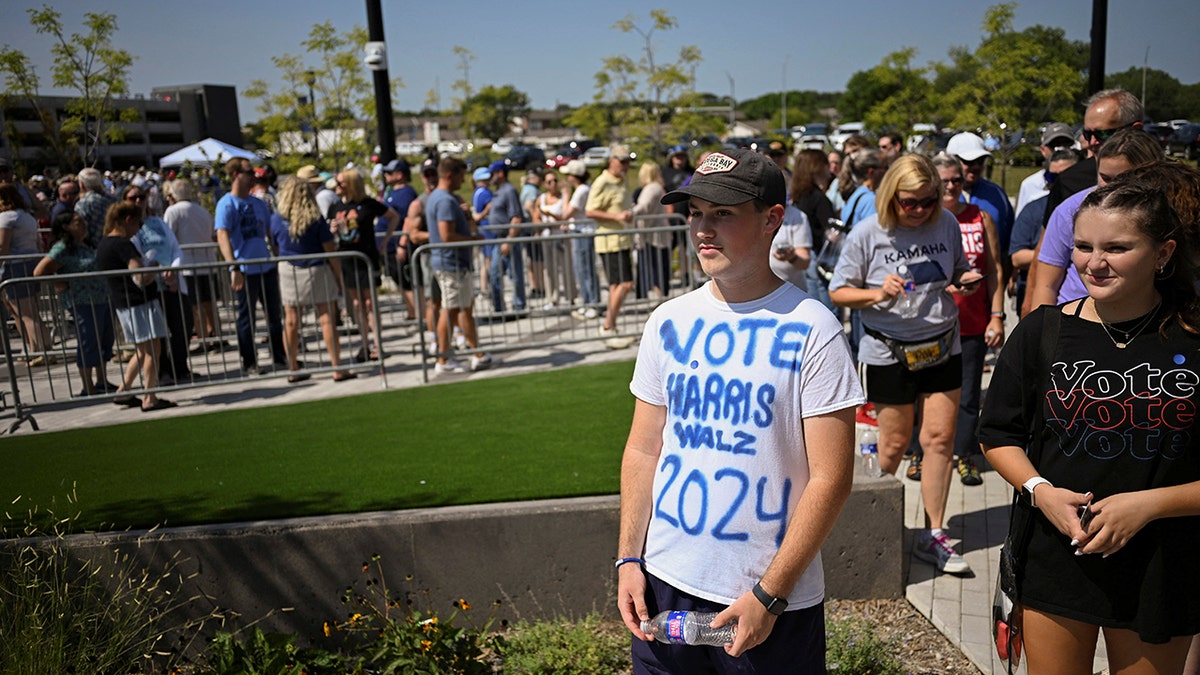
<point>953,181</point>
<point>978,161</point>
<point>135,198</point>
<point>914,204</point>
<point>1101,134</point>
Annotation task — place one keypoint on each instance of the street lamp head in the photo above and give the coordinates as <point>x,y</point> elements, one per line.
<point>310,77</point>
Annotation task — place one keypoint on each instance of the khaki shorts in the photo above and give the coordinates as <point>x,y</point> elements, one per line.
<point>458,288</point>
<point>306,286</point>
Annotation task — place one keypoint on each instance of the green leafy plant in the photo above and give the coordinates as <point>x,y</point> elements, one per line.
<point>851,646</point>
<point>260,653</point>
<point>66,614</point>
<point>404,639</point>
<point>560,647</point>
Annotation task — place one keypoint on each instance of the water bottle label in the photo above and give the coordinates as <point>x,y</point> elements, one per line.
<point>675,627</point>
<point>869,448</point>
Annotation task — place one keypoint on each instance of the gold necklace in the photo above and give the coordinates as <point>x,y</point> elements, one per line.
<point>1129,335</point>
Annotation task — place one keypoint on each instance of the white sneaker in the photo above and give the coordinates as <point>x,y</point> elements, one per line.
<point>481,362</point>
<point>937,550</point>
<point>607,332</point>
<point>578,313</point>
<point>460,341</point>
<point>590,313</point>
<point>450,366</point>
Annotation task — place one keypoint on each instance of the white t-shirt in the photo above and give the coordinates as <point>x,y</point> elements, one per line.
<point>737,381</point>
<point>24,231</point>
<point>579,200</point>
<point>1033,187</point>
<point>192,225</point>
<point>794,233</point>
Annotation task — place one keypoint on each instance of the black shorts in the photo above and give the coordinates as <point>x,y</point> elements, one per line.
<point>796,643</point>
<point>897,385</point>
<point>357,276</point>
<point>203,287</point>
<point>618,267</point>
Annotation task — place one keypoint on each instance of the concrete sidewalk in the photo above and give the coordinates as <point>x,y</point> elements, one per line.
<point>960,607</point>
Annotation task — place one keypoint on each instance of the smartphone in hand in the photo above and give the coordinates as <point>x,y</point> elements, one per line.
<point>1085,516</point>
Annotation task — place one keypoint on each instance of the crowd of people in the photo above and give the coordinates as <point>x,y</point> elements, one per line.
<point>1096,267</point>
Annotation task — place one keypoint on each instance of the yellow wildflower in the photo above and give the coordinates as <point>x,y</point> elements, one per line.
<point>426,645</point>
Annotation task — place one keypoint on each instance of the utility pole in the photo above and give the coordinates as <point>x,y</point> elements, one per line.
<point>376,57</point>
<point>310,78</point>
<point>783,95</point>
<point>1099,45</point>
<point>732,102</point>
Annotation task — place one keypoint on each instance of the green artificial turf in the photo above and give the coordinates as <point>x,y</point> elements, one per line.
<point>536,436</point>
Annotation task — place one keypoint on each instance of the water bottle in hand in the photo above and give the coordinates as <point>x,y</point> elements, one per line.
<point>868,447</point>
<point>688,628</point>
<point>906,304</point>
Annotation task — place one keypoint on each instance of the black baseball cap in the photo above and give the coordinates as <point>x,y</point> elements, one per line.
<point>733,177</point>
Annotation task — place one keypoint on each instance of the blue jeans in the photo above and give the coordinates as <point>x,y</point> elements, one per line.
<point>260,289</point>
<point>94,335</point>
<point>974,350</point>
<point>512,264</point>
<point>819,289</point>
<point>583,252</point>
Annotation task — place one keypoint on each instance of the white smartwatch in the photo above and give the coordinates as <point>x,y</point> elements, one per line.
<point>1032,483</point>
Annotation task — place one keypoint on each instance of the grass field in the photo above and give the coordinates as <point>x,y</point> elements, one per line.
<point>544,435</point>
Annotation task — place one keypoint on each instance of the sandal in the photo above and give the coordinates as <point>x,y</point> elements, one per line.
<point>342,377</point>
<point>293,379</point>
<point>160,404</point>
<point>128,401</point>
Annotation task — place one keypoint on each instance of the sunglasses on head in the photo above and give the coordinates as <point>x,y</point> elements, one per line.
<point>914,204</point>
<point>1101,134</point>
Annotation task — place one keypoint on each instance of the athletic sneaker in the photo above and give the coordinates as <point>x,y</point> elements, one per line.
<point>914,468</point>
<point>968,472</point>
<point>481,362</point>
<point>450,366</point>
<point>936,550</point>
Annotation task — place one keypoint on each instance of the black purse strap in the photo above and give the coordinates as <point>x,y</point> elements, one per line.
<point>1037,379</point>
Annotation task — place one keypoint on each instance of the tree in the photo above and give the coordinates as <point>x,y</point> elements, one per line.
<point>491,110</point>
<point>640,90</point>
<point>343,99</point>
<point>1166,98</point>
<point>87,64</point>
<point>1014,80</point>
<point>593,120</point>
<point>892,95</point>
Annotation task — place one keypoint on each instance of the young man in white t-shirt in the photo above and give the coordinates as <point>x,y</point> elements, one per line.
<point>740,455</point>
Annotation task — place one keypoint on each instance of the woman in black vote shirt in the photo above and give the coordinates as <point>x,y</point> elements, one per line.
<point>353,224</point>
<point>1119,443</point>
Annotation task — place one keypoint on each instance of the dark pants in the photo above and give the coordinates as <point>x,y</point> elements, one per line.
<point>654,270</point>
<point>177,308</point>
<point>974,349</point>
<point>796,644</point>
<point>260,289</point>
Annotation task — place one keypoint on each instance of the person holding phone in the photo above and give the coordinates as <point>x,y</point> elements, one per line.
<point>1129,346</point>
<point>980,314</point>
<point>901,267</point>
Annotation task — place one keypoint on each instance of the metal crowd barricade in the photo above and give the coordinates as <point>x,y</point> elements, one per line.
<point>555,321</point>
<point>51,380</point>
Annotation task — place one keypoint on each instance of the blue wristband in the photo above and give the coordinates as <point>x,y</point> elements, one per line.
<point>622,561</point>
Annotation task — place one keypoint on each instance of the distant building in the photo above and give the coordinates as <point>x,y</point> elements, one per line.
<point>172,118</point>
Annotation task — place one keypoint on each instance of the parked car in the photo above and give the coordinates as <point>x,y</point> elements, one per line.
<point>409,148</point>
<point>812,142</point>
<point>446,148</point>
<point>844,131</point>
<point>814,129</point>
<point>755,143</point>
<point>1185,141</point>
<point>524,157</point>
<point>596,156</point>
<point>1160,131</point>
<point>1175,124</point>
<point>502,146</point>
<point>569,151</point>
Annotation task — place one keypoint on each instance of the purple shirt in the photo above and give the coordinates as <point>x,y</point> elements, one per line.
<point>1059,242</point>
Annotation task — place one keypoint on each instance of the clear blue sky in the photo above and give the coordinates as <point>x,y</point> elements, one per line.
<point>551,49</point>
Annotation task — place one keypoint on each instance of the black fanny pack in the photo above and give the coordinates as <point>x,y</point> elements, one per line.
<point>917,355</point>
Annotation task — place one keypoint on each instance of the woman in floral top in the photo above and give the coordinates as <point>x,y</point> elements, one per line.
<point>87,299</point>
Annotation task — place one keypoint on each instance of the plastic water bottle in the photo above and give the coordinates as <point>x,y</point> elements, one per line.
<point>868,447</point>
<point>906,304</point>
<point>688,628</point>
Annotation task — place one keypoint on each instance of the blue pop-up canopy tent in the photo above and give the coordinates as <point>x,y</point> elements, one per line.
<point>205,153</point>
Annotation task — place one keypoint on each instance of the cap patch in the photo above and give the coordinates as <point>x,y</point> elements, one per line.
<point>717,163</point>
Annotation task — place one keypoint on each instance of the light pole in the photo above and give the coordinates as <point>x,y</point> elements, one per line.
<point>783,96</point>
<point>310,78</point>
<point>732,102</point>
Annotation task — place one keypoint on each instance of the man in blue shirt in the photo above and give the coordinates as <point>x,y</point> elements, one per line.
<point>506,258</point>
<point>400,196</point>
<point>242,223</point>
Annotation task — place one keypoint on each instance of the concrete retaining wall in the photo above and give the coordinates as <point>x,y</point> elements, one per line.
<point>539,559</point>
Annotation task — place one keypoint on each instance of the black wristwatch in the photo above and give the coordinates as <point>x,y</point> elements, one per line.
<point>773,604</point>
